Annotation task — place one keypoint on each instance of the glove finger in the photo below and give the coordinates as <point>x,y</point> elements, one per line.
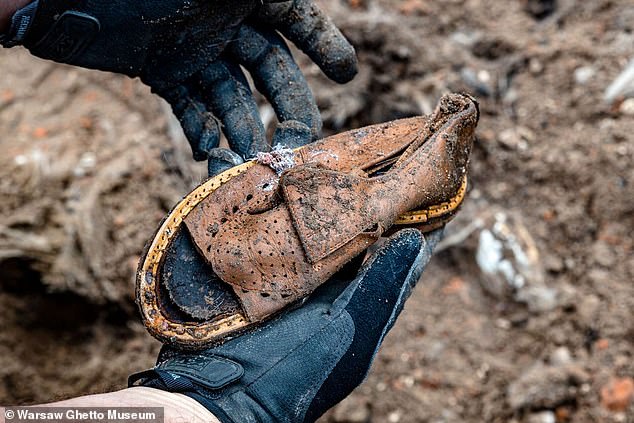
<point>373,301</point>
<point>199,125</point>
<point>387,278</point>
<point>225,91</point>
<point>276,75</point>
<point>314,33</point>
<point>291,134</point>
<point>221,159</point>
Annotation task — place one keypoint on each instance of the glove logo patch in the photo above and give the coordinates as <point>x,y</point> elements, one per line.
<point>68,37</point>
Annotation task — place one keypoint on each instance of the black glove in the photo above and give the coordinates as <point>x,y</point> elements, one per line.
<point>190,52</point>
<point>297,366</point>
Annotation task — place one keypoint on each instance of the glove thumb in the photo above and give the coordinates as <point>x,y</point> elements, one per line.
<point>374,300</point>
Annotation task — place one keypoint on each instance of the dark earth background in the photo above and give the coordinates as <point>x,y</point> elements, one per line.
<point>91,162</point>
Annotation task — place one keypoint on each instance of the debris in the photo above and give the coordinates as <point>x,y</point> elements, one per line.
<point>539,9</point>
<point>510,264</point>
<point>40,132</point>
<point>279,159</point>
<point>622,86</point>
<point>542,417</point>
<point>465,39</point>
<point>453,286</point>
<point>492,48</point>
<point>535,66</point>
<point>516,138</point>
<point>87,162</point>
<point>414,7</point>
<point>506,254</point>
<point>479,82</point>
<point>603,254</point>
<point>602,344</point>
<point>546,386</point>
<point>627,107</point>
<point>351,410</point>
<point>584,74</point>
<point>617,394</point>
<point>538,298</point>
<point>394,417</point>
<point>560,357</point>
<point>563,414</point>
<point>587,309</point>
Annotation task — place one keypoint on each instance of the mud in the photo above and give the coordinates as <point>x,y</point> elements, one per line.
<point>91,163</point>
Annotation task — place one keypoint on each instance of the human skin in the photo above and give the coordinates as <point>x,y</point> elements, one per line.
<point>177,408</point>
<point>7,9</point>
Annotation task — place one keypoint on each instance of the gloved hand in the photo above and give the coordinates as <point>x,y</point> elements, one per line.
<point>295,367</point>
<point>190,53</point>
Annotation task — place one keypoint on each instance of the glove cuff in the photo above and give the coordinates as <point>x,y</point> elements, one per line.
<point>20,24</point>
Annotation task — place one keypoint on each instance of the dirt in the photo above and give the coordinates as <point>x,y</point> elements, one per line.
<point>91,162</point>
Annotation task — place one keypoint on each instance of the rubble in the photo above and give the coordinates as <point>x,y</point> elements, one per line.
<point>618,394</point>
<point>546,386</point>
<point>622,86</point>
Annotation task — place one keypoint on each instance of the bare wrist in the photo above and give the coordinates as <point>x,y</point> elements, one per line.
<point>177,407</point>
<point>7,9</point>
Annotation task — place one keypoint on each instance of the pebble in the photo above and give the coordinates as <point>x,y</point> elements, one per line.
<point>479,81</point>
<point>624,20</point>
<point>543,417</point>
<point>584,74</point>
<point>599,276</point>
<point>603,254</point>
<point>394,417</point>
<point>617,394</point>
<point>588,308</point>
<point>560,356</point>
<point>535,66</point>
<point>627,107</point>
<point>545,386</point>
<point>621,86</point>
<point>516,138</point>
<point>538,298</point>
<point>553,263</point>
<point>351,410</point>
<point>465,39</point>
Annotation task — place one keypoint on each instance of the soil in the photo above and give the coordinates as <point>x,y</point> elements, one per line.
<point>92,161</point>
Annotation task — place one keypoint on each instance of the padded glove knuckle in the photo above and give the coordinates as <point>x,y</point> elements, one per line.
<point>68,37</point>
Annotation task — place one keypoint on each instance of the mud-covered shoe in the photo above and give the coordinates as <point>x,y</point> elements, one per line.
<point>261,236</point>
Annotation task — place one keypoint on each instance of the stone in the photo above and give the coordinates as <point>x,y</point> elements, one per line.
<point>584,74</point>
<point>617,394</point>
<point>560,357</point>
<point>588,309</point>
<point>543,417</point>
<point>545,386</point>
<point>603,254</point>
<point>627,107</point>
<point>351,410</point>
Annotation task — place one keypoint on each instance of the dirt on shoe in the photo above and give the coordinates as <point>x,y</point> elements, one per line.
<point>262,236</point>
<point>91,162</point>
